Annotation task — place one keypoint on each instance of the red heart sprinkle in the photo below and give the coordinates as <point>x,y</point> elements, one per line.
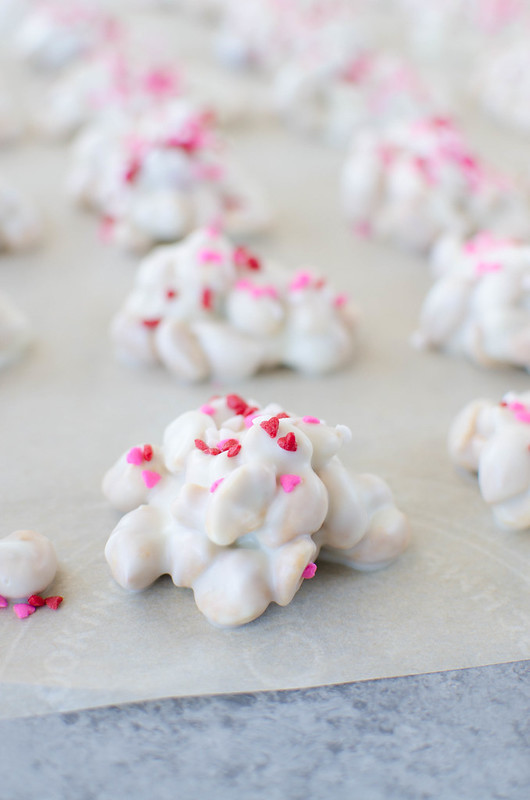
<point>36,600</point>
<point>271,426</point>
<point>236,403</point>
<point>54,602</point>
<point>282,415</point>
<point>147,452</point>
<point>213,451</point>
<point>207,299</point>
<point>171,294</point>
<point>249,410</point>
<point>288,442</point>
<point>233,451</point>
<point>151,323</point>
<point>244,258</point>
<point>228,444</point>
<point>200,445</point>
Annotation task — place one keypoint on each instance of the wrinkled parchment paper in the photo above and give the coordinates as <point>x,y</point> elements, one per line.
<point>459,597</point>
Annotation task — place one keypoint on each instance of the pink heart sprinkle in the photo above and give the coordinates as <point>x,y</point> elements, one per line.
<point>206,409</point>
<point>483,267</point>
<point>150,478</point>
<point>215,484</point>
<point>250,419</point>
<point>340,300</point>
<point>311,420</point>
<point>516,406</point>
<point>289,482</point>
<point>522,416</point>
<point>23,610</point>
<point>3,602</point>
<point>212,256</point>
<point>309,571</point>
<point>135,456</point>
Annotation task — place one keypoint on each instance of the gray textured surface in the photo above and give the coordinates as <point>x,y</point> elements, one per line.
<point>463,735</point>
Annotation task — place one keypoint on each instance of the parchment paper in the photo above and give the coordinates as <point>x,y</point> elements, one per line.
<point>459,597</point>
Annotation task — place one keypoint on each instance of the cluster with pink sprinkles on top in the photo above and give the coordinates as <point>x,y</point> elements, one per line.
<point>479,306</point>
<point>414,182</point>
<point>238,502</point>
<point>155,176</point>
<point>209,308</point>
<point>492,441</point>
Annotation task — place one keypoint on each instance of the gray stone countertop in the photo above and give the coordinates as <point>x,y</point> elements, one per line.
<point>460,735</point>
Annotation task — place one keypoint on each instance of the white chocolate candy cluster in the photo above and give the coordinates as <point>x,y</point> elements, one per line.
<point>237,503</point>
<point>110,84</point>
<point>480,305</point>
<point>493,440</point>
<point>443,28</point>
<point>106,84</point>
<point>14,331</point>
<point>502,85</point>
<point>414,182</point>
<point>53,33</point>
<point>20,226</point>
<point>154,177</point>
<point>207,308</point>
<point>28,564</point>
<point>335,99</point>
<point>260,33</point>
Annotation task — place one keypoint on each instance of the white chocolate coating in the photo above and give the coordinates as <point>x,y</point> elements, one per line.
<point>493,440</point>
<point>111,84</point>
<point>237,511</point>
<point>414,182</point>
<point>205,308</point>
<point>14,331</point>
<point>335,99</point>
<point>263,34</point>
<point>20,226</point>
<point>55,33</point>
<point>480,305</point>
<point>156,176</point>
<point>28,564</point>
<point>502,84</point>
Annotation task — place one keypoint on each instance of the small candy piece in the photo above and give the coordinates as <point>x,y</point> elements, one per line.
<point>36,600</point>
<point>23,610</point>
<point>289,482</point>
<point>3,602</point>
<point>271,426</point>
<point>288,442</point>
<point>236,403</point>
<point>207,299</point>
<point>147,452</point>
<point>207,409</point>
<point>54,602</point>
<point>200,445</point>
<point>135,456</point>
<point>309,571</point>
<point>228,444</point>
<point>215,484</point>
<point>233,451</point>
<point>311,420</point>
<point>151,323</point>
<point>150,478</point>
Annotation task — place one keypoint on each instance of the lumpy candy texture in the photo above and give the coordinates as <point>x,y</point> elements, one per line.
<point>336,97</point>
<point>53,34</point>
<point>207,308</point>
<point>480,305</point>
<point>237,503</point>
<point>414,182</point>
<point>28,564</point>
<point>493,441</point>
<point>155,176</point>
